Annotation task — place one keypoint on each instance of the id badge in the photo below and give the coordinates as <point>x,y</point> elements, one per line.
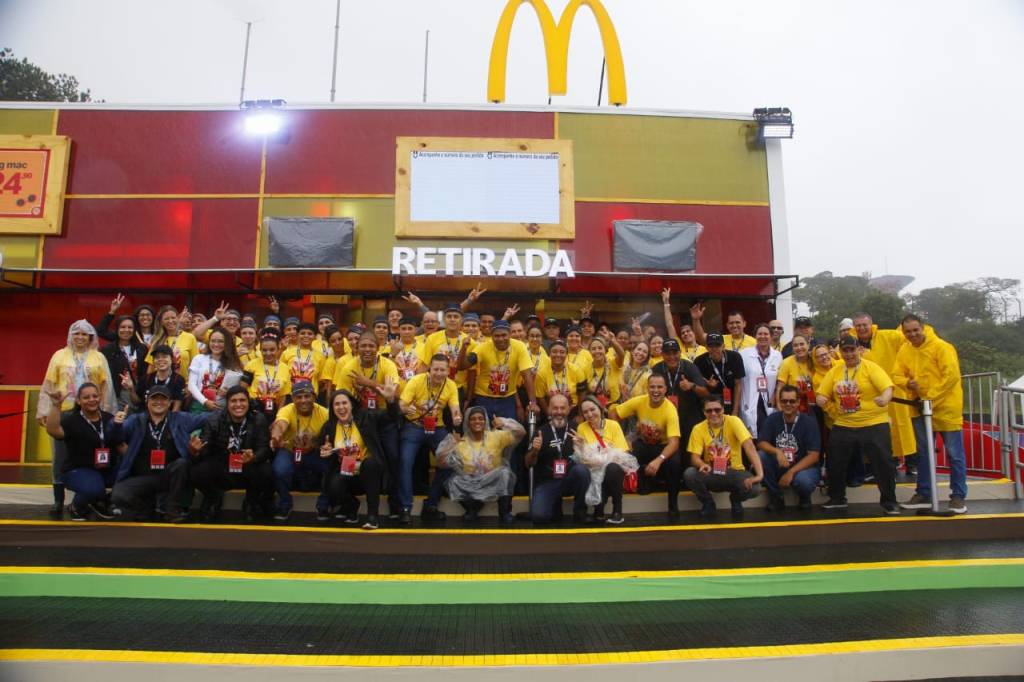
<point>727,395</point>
<point>408,374</point>
<point>101,458</point>
<point>429,423</point>
<point>268,404</point>
<point>371,402</point>
<point>762,384</point>
<point>674,399</point>
<point>503,388</point>
<point>235,462</point>
<point>719,464</point>
<point>157,459</point>
<point>348,465</point>
<point>298,455</point>
<point>790,454</point>
<point>560,466</point>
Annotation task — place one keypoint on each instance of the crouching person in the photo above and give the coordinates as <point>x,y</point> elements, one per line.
<point>478,459</point>
<point>293,442</point>
<point>789,445</point>
<point>157,458</point>
<point>235,454</point>
<point>556,474</point>
<point>717,446</point>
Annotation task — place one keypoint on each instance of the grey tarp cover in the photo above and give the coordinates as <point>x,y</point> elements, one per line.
<point>660,245</point>
<point>310,242</point>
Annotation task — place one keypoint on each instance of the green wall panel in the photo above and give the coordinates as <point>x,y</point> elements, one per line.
<point>656,157</point>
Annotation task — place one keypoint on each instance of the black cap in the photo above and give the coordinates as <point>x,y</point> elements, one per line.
<point>453,308</point>
<point>550,322</point>
<point>158,389</point>
<point>380,319</point>
<point>162,349</point>
<point>587,318</point>
<point>302,386</point>
<point>670,346</point>
<point>408,320</point>
<point>714,339</point>
<point>848,342</point>
<point>802,321</point>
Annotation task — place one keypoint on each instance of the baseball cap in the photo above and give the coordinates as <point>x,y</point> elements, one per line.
<point>802,321</point>
<point>302,386</point>
<point>408,320</point>
<point>670,346</point>
<point>453,308</point>
<point>501,324</point>
<point>551,322</point>
<point>162,349</point>
<point>470,317</point>
<point>848,342</point>
<point>158,389</point>
<point>291,322</point>
<point>714,339</point>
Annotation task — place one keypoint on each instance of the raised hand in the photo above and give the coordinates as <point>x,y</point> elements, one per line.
<point>413,298</point>
<point>275,307</point>
<point>476,293</point>
<point>511,311</point>
<point>666,295</point>
<point>220,312</point>
<point>116,303</point>
<point>696,311</point>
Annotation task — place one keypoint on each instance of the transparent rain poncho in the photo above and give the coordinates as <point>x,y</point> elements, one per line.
<point>597,457</point>
<point>69,369</point>
<point>481,470</point>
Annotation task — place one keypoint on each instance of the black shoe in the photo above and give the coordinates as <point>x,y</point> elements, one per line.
<point>505,510</point>
<point>911,471</point>
<point>891,509</point>
<point>599,514</point>
<point>76,515</point>
<point>101,510</point>
<point>805,503</point>
<point>247,514</point>
<point>283,514</point>
<point>582,517</point>
<point>371,523</point>
<point>323,515</point>
<point>776,503</point>
<point>708,509</point>
<point>471,516</point>
<point>352,518</point>
<point>870,478</point>
<point>736,508</point>
<point>176,516</point>
<point>432,514</point>
<point>616,518</point>
<point>855,483</point>
<point>57,511</point>
<point>673,514</point>
<point>405,518</point>
<point>835,503</point>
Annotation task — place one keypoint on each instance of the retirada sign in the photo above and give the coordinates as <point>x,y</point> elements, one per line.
<point>476,262</point>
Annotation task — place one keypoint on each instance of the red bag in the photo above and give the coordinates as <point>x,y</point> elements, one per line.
<point>629,483</point>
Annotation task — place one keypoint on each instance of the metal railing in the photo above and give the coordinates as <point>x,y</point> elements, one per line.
<point>1012,435</point>
<point>983,427</point>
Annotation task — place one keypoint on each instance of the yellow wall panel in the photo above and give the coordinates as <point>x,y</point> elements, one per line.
<point>20,251</point>
<point>657,157</point>
<point>26,121</point>
<point>38,447</point>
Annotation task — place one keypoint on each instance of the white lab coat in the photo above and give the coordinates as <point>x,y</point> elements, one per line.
<point>752,367</point>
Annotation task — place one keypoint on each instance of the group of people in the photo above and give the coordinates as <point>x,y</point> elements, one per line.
<point>176,403</point>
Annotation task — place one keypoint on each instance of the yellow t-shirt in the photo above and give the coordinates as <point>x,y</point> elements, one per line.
<point>245,357</point>
<point>382,372</point>
<point>303,363</point>
<point>68,370</point>
<point>862,385</point>
<point>350,441</point>
<point>635,381</point>
<point>427,399</point>
<point>605,381</point>
<point>548,382</point>
<point>184,348</point>
<point>498,371</point>
<point>439,343</point>
<point>747,342</point>
<point>582,359</point>
<point>693,352</point>
<point>305,428</point>
<point>406,361</point>
<point>795,374</point>
<point>537,362</point>
<point>611,433</point>
<point>486,456</point>
<point>654,424</point>
<point>324,349</point>
<point>274,381</point>
<point>734,433</point>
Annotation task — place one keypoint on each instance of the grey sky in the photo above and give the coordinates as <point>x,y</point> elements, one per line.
<point>907,150</point>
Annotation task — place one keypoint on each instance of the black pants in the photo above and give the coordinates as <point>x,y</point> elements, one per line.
<point>212,478</point>
<point>731,482</point>
<point>670,471</point>
<point>873,441</point>
<point>611,487</point>
<point>137,494</point>
<point>342,490</point>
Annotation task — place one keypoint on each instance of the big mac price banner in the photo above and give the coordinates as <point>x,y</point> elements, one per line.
<point>33,174</point>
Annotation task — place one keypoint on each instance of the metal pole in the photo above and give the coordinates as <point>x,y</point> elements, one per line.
<point>532,425</point>
<point>245,60</point>
<point>926,413</point>
<point>426,61</point>
<point>600,84</point>
<point>334,63</point>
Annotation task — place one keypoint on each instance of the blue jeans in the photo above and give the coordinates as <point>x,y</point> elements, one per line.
<point>546,503</point>
<point>414,438</point>
<point>89,485</point>
<point>953,442</point>
<point>804,482</point>
<point>284,471</point>
<point>502,407</point>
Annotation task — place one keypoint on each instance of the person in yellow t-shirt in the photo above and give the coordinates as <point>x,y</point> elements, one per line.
<point>293,440</point>
<point>405,352</point>
<point>881,346</point>
<point>798,370</point>
<point>271,383</point>
<point>605,377</point>
<point>337,351</point>
<point>370,376</point>
<point>559,377</point>
<point>861,391</point>
<point>423,402</point>
<point>452,342</point>
<point>735,337</point>
<point>182,344</point>
<point>249,348</point>
<point>657,445</point>
<point>716,448</point>
<point>600,445</point>
<point>576,354</point>
<point>302,359</point>
<point>496,366</point>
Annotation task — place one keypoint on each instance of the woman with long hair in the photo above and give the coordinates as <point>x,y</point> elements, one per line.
<point>182,344</point>
<point>798,370</point>
<point>601,446</point>
<point>207,372</point>
<point>126,358</point>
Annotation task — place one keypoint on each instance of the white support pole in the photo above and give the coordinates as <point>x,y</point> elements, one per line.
<point>780,227</point>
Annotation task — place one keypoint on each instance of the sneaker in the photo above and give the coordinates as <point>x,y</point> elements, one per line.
<point>56,511</point>
<point>283,514</point>
<point>891,509</point>
<point>708,509</point>
<point>581,518</point>
<point>957,504</point>
<point>405,518</point>
<point>340,515</point>
<point>855,483</point>
<point>598,514</point>
<point>870,478</point>
<point>352,519</point>
<point>737,508</point>
<point>101,510</point>
<point>471,516</point>
<point>176,516</point>
<point>776,503</point>
<point>911,471</point>
<point>917,502</point>
<point>371,523</point>
<point>615,519</point>
<point>805,502</point>
<point>432,514</point>
<point>673,514</point>
<point>323,515</point>
<point>834,503</point>
<point>76,515</point>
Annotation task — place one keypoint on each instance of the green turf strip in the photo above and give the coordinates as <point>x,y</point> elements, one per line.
<point>508,591</point>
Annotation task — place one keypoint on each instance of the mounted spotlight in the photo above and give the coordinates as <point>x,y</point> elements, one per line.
<point>774,122</point>
<point>262,116</point>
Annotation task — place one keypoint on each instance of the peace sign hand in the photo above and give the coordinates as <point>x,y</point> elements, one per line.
<point>116,303</point>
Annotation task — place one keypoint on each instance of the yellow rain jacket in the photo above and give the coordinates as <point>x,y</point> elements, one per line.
<point>935,366</point>
<point>885,344</point>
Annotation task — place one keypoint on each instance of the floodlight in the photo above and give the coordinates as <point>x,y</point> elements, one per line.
<point>774,122</point>
<point>262,117</point>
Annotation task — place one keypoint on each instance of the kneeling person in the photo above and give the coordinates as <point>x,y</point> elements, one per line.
<point>716,448</point>
<point>790,446</point>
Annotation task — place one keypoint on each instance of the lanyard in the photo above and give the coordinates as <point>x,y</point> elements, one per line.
<point>432,399</point>
<point>556,440</point>
<point>714,368</point>
<point>346,434</point>
<point>453,351</point>
<point>691,353</point>
<point>503,365</point>
<point>598,434</point>
<point>636,374</point>
<point>99,431</point>
<point>235,441</point>
<point>81,376</point>
<point>732,340</point>
<point>309,356</point>
<point>129,353</point>
<point>158,436</point>
<point>602,383</point>
<point>157,381</point>
<point>407,355</point>
<point>720,438</point>
<point>846,373</point>
<point>787,430</point>
<point>764,362</point>
<point>536,362</point>
<point>674,384</point>
<point>373,373</point>
<point>270,378</point>
<point>298,419</point>
<point>565,375</point>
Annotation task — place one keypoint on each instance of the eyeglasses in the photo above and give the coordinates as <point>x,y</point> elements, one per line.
<point>712,410</point>
<point>788,401</point>
<point>776,329</point>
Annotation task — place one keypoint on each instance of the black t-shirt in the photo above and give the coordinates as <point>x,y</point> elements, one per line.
<point>150,441</point>
<point>82,437</point>
<point>689,407</point>
<point>175,383</point>
<point>555,444</point>
<point>728,371</point>
<point>802,435</point>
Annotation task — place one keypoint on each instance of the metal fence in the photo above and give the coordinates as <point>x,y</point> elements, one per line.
<point>993,428</point>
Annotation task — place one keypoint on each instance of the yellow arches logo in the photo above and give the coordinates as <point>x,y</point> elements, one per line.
<point>556,48</point>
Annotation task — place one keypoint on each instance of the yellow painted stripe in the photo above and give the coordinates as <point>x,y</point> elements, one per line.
<point>241,195</point>
<point>508,660</point>
<point>528,531</point>
<point>495,577</point>
<point>24,427</point>
<point>693,202</point>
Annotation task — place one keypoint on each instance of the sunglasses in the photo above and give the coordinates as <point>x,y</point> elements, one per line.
<point>788,401</point>
<point>777,329</point>
<point>712,410</point>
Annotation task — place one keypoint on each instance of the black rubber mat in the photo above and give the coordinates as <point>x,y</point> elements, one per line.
<point>309,562</point>
<point>199,626</point>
